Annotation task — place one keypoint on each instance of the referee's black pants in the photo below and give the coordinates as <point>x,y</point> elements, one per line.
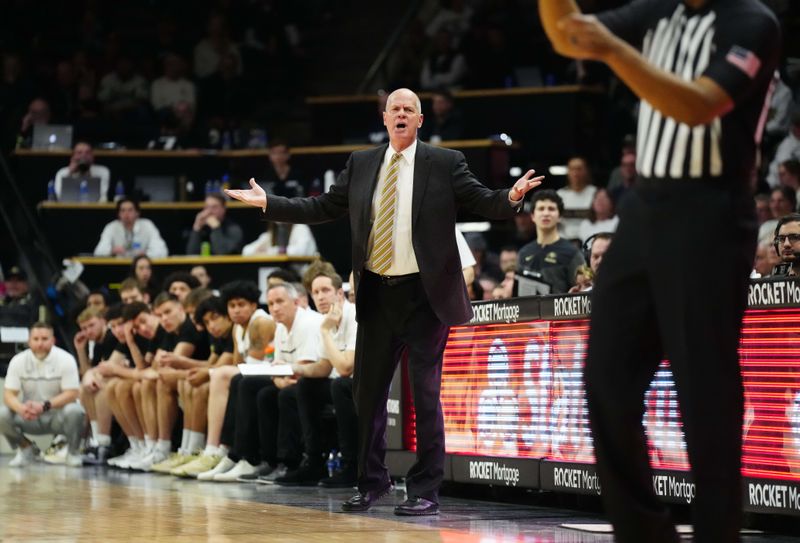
<point>673,285</point>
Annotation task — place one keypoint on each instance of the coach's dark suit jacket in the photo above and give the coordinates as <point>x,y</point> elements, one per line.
<point>442,184</point>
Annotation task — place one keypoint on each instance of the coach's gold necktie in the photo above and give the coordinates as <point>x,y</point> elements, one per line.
<point>382,246</point>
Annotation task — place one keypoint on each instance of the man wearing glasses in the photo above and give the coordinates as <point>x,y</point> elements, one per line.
<point>787,243</point>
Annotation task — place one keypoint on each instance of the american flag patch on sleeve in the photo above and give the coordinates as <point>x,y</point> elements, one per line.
<point>745,60</point>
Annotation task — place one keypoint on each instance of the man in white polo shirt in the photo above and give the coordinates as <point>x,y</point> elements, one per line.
<point>47,377</point>
<point>337,337</point>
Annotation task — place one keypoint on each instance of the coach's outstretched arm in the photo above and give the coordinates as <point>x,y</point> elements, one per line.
<point>578,36</point>
<point>255,196</point>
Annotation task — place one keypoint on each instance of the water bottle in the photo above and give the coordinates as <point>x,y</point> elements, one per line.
<point>119,191</point>
<point>205,249</point>
<point>331,463</point>
<point>216,187</point>
<point>51,191</point>
<point>316,187</point>
<point>330,179</point>
<point>339,461</point>
<point>226,140</point>
<point>83,191</point>
<point>226,184</point>
<point>209,187</point>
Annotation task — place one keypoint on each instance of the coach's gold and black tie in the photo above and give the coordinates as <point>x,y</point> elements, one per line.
<point>382,246</point>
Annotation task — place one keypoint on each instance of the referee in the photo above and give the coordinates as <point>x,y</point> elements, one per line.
<point>703,75</point>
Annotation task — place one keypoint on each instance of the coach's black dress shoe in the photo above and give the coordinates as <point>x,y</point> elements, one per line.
<point>364,500</point>
<point>417,507</point>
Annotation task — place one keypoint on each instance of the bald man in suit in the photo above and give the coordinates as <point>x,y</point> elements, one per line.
<point>402,199</point>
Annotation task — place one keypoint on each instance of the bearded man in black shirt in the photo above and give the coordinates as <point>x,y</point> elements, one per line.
<point>703,76</point>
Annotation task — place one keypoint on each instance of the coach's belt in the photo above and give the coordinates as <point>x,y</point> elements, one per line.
<point>394,280</point>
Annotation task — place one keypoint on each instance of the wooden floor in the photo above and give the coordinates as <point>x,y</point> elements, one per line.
<point>43,503</point>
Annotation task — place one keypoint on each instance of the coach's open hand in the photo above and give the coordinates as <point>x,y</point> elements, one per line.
<point>255,196</point>
<point>523,185</point>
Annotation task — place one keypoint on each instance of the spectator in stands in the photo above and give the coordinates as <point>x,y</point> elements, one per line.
<point>201,274</point>
<point>486,284</point>
<point>584,278</point>
<point>445,67</point>
<point>213,315</point>
<point>787,149</point>
<point>130,291</point>
<point>210,50</point>
<point>602,216</point>
<point>445,123</point>
<point>81,163</point>
<point>486,261</point>
<point>180,284</point>
<point>586,275</point>
<point>624,176</point>
<point>130,235</point>
<point>172,88</point>
<point>782,202</point>
<point>319,381</point>
<point>555,258</point>
<point>38,113</point>
<point>509,256</point>
<point>763,211</point>
<point>20,306</point>
<point>597,250</point>
<point>142,272</point>
<point>577,197</point>
<point>789,174</point>
<point>283,239</point>
<point>253,331</point>
<point>47,378</point>
<point>505,288</point>
<point>63,91</point>
<point>224,95</point>
<point>94,332</point>
<point>123,92</point>
<point>787,241</point>
<point>454,17</point>
<point>524,229</point>
<point>779,115</point>
<point>281,178</point>
<point>97,300</point>
<point>766,259</point>
<point>211,225</point>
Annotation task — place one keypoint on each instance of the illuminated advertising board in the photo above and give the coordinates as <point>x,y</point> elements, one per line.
<point>514,402</point>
